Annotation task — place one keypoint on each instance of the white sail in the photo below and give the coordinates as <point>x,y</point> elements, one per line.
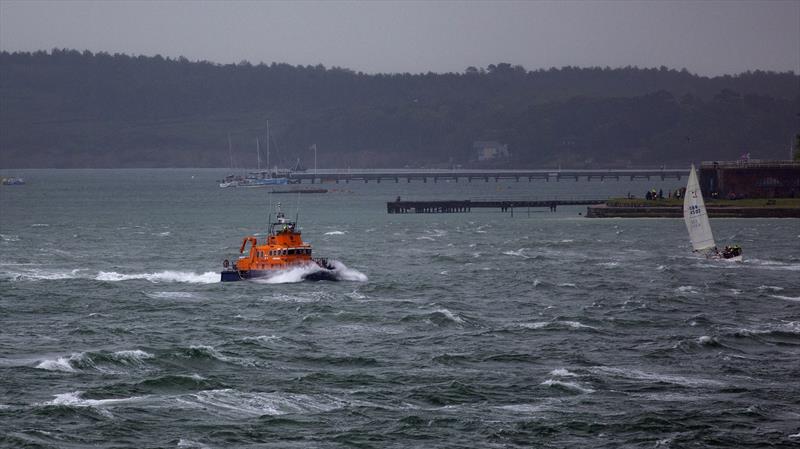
<point>695,216</point>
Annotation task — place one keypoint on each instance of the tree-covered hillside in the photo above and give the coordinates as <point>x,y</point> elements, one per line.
<point>65,108</point>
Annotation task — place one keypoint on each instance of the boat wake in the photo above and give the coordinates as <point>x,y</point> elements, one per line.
<point>54,274</point>
<point>161,276</point>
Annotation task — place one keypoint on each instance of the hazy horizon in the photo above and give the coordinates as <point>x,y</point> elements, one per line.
<point>706,38</point>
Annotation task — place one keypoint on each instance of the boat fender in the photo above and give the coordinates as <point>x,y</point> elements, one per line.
<point>226,263</point>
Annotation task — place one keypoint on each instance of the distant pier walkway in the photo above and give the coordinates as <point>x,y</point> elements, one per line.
<point>454,206</point>
<point>408,175</point>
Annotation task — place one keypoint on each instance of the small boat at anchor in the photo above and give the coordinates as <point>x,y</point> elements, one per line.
<point>283,250</point>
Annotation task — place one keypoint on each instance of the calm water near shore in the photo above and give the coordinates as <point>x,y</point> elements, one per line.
<point>479,329</point>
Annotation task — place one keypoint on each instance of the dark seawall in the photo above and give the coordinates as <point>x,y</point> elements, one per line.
<point>605,211</point>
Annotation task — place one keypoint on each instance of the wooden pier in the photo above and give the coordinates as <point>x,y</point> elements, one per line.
<point>454,206</point>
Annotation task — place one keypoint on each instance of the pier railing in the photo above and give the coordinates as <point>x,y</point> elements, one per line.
<point>461,175</point>
<point>503,205</point>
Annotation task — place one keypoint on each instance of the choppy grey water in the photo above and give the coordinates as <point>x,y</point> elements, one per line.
<point>470,330</point>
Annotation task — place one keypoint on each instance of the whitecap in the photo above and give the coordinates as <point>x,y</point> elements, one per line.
<point>706,340</point>
<point>335,233</point>
<point>74,399</point>
<point>135,356</point>
<point>356,295</point>
<point>211,352</point>
<point>261,339</point>
<point>192,444</point>
<point>517,253</point>
<point>9,238</point>
<point>60,364</point>
<point>608,264</point>
<point>536,325</point>
<point>40,225</point>
<point>568,284</point>
<point>450,315</point>
<point>425,237</point>
<point>547,324</point>
<point>686,289</point>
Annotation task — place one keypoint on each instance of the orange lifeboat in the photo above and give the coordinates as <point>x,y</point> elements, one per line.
<point>283,249</point>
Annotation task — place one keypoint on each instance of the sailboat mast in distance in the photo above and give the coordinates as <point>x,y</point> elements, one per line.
<point>258,154</point>
<point>267,145</point>
<point>230,151</point>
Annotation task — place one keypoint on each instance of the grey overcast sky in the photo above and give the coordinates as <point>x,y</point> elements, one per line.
<point>706,37</point>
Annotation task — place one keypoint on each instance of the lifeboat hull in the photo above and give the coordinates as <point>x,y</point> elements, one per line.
<point>233,275</point>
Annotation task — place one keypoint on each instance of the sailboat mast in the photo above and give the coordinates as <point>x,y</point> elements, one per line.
<point>230,151</point>
<point>267,145</point>
<point>258,153</point>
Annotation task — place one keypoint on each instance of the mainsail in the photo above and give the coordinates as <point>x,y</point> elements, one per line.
<point>695,216</point>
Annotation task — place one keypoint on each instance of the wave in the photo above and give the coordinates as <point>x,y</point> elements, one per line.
<point>237,404</point>
<point>517,253</point>
<point>192,444</point>
<point>208,277</point>
<point>98,361</point>
<point>209,352</point>
<point>261,339</point>
<point>791,328</point>
<point>608,264</point>
<point>555,325</point>
<point>569,386</point>
<point>447,315</point>
<point>664,378</point>
<point>772,265</point>
<point>561,372</point>
<point>787,298</point>
<point>705,340</point>
<point>75,399</point>
<point>41,274</point>
<point>171,295</point>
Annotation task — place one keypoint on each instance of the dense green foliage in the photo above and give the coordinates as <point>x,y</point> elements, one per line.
<point>65,108</point>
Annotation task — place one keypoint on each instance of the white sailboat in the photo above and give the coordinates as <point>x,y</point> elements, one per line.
<point>696,218</point>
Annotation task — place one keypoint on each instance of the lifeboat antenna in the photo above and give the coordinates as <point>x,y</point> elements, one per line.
<point>269,209</point>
